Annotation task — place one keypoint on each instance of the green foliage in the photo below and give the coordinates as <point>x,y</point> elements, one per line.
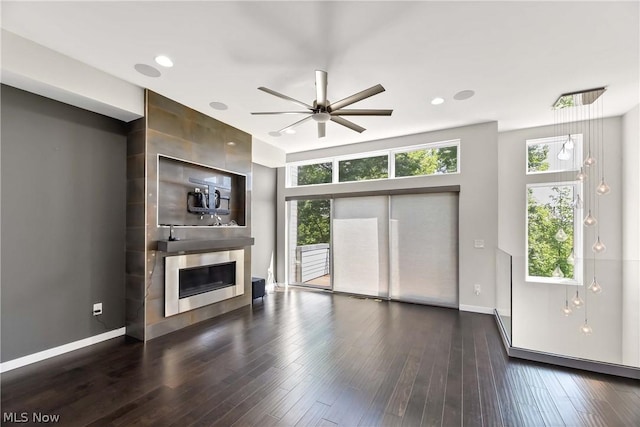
<point>545,219</point>
<point>537,155</point>
<point>319,173</point>
<point>313,222</point>
<point>427,162</point>
<point>363,169</point>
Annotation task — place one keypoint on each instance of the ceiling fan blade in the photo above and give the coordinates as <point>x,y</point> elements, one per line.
<point>322,130</point>
<point>347,123</point>
<point>282,112</point>
<point>321,88</point>
<point>295,124</point>
<point>288,98</point>
<point>374,90</point>
<point>365,112</point>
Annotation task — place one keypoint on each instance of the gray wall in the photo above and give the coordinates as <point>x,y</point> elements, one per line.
<point>478,203</point>
<point>264,220</point>
<point>63,223</point>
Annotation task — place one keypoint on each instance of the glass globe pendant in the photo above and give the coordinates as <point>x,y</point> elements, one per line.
<point>598,246</point>
<point>581,176</point>
<point>590,160</point>
<point>590,220</point>
<point>566,310</point>
<point>564,154</point>
<point>595,286</point>
<point>568,144</point>
<point>577,203</point>
<point>586,329</point>
<point>571,259</point>
<point>577,301</point>
<point>603,188</point>
<point>557,272</point>
<point>561,236</point>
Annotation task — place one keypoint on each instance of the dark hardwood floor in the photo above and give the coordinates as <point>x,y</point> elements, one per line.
<point>315,359</point>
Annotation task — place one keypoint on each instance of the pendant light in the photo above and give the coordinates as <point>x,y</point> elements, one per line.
<point>603,188</point>
<point>598,247</point>
<point>586,328</point>
<point>577,203</point>
<point>561,236</point>
<point>571,259</point>
<point>557,272</point>
<point>582,176</point>
<point>590,160</point>
<point>577,301</point>
<point>564,153</point>
<point>590,220</point>
<point>595,286</point>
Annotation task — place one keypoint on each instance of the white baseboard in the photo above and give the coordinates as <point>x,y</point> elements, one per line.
<point>476,309</point>
<point>56,351</point>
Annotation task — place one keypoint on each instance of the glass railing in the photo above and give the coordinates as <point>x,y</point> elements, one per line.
<point>602,327</point>
<point>503,292</point>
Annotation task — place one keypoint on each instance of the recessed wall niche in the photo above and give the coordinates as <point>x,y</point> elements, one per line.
<point>194,195</point>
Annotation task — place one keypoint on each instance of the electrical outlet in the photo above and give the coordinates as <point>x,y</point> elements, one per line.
<point>478,243</point>
<point>97,309</point>
<point>476,289</point>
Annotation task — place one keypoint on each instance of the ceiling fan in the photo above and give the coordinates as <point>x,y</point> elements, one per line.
<point>323,111</point>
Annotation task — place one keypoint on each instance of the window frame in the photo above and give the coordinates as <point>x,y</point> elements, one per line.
<point>578,236</point>
<point>296,165</point>
<point>433,145</point>
<point>391,158</point>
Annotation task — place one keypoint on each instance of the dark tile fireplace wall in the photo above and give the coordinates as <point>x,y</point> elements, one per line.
<point>173,130</point>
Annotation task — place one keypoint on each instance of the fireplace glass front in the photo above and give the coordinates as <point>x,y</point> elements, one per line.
<point>198,280</point>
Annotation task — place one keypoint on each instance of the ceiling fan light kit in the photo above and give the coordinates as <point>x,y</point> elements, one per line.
<point>322,111</point>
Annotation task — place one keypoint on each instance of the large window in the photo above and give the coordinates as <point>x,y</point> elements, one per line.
<point>421,160</point>
<point>553,233</point>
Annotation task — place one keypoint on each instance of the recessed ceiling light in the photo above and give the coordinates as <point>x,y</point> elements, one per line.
<point>164,60</point>
<point>289,131</point>
<point>275,134</point>
<point>437,101</point>
<point>231,143</point>
<point>218,105</point>
<point>147,70</point>
<point>463,94</point>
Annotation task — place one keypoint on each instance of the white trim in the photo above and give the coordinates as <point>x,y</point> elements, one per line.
<point>475,309</point>
<point>56,351</point>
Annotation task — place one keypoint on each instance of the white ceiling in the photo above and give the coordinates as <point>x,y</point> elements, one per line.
<point>517,56</point>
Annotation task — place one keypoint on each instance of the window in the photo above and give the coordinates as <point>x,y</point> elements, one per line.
<point>376,167</point>
<point>418,160</point>
<point>556,154</point>
<point>314,173</point>
<point>427,161</point>
<point>553,233</point>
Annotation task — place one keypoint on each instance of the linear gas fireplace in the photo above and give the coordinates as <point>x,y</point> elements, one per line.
<point>196,280</point>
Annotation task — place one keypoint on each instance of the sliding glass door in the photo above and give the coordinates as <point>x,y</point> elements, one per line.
<point>403,247</point>
<point>309,238</point>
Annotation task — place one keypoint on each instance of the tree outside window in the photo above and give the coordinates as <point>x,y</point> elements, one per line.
<point>551,231</point>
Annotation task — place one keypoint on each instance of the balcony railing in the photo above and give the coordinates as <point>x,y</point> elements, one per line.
<point>312,261</point>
